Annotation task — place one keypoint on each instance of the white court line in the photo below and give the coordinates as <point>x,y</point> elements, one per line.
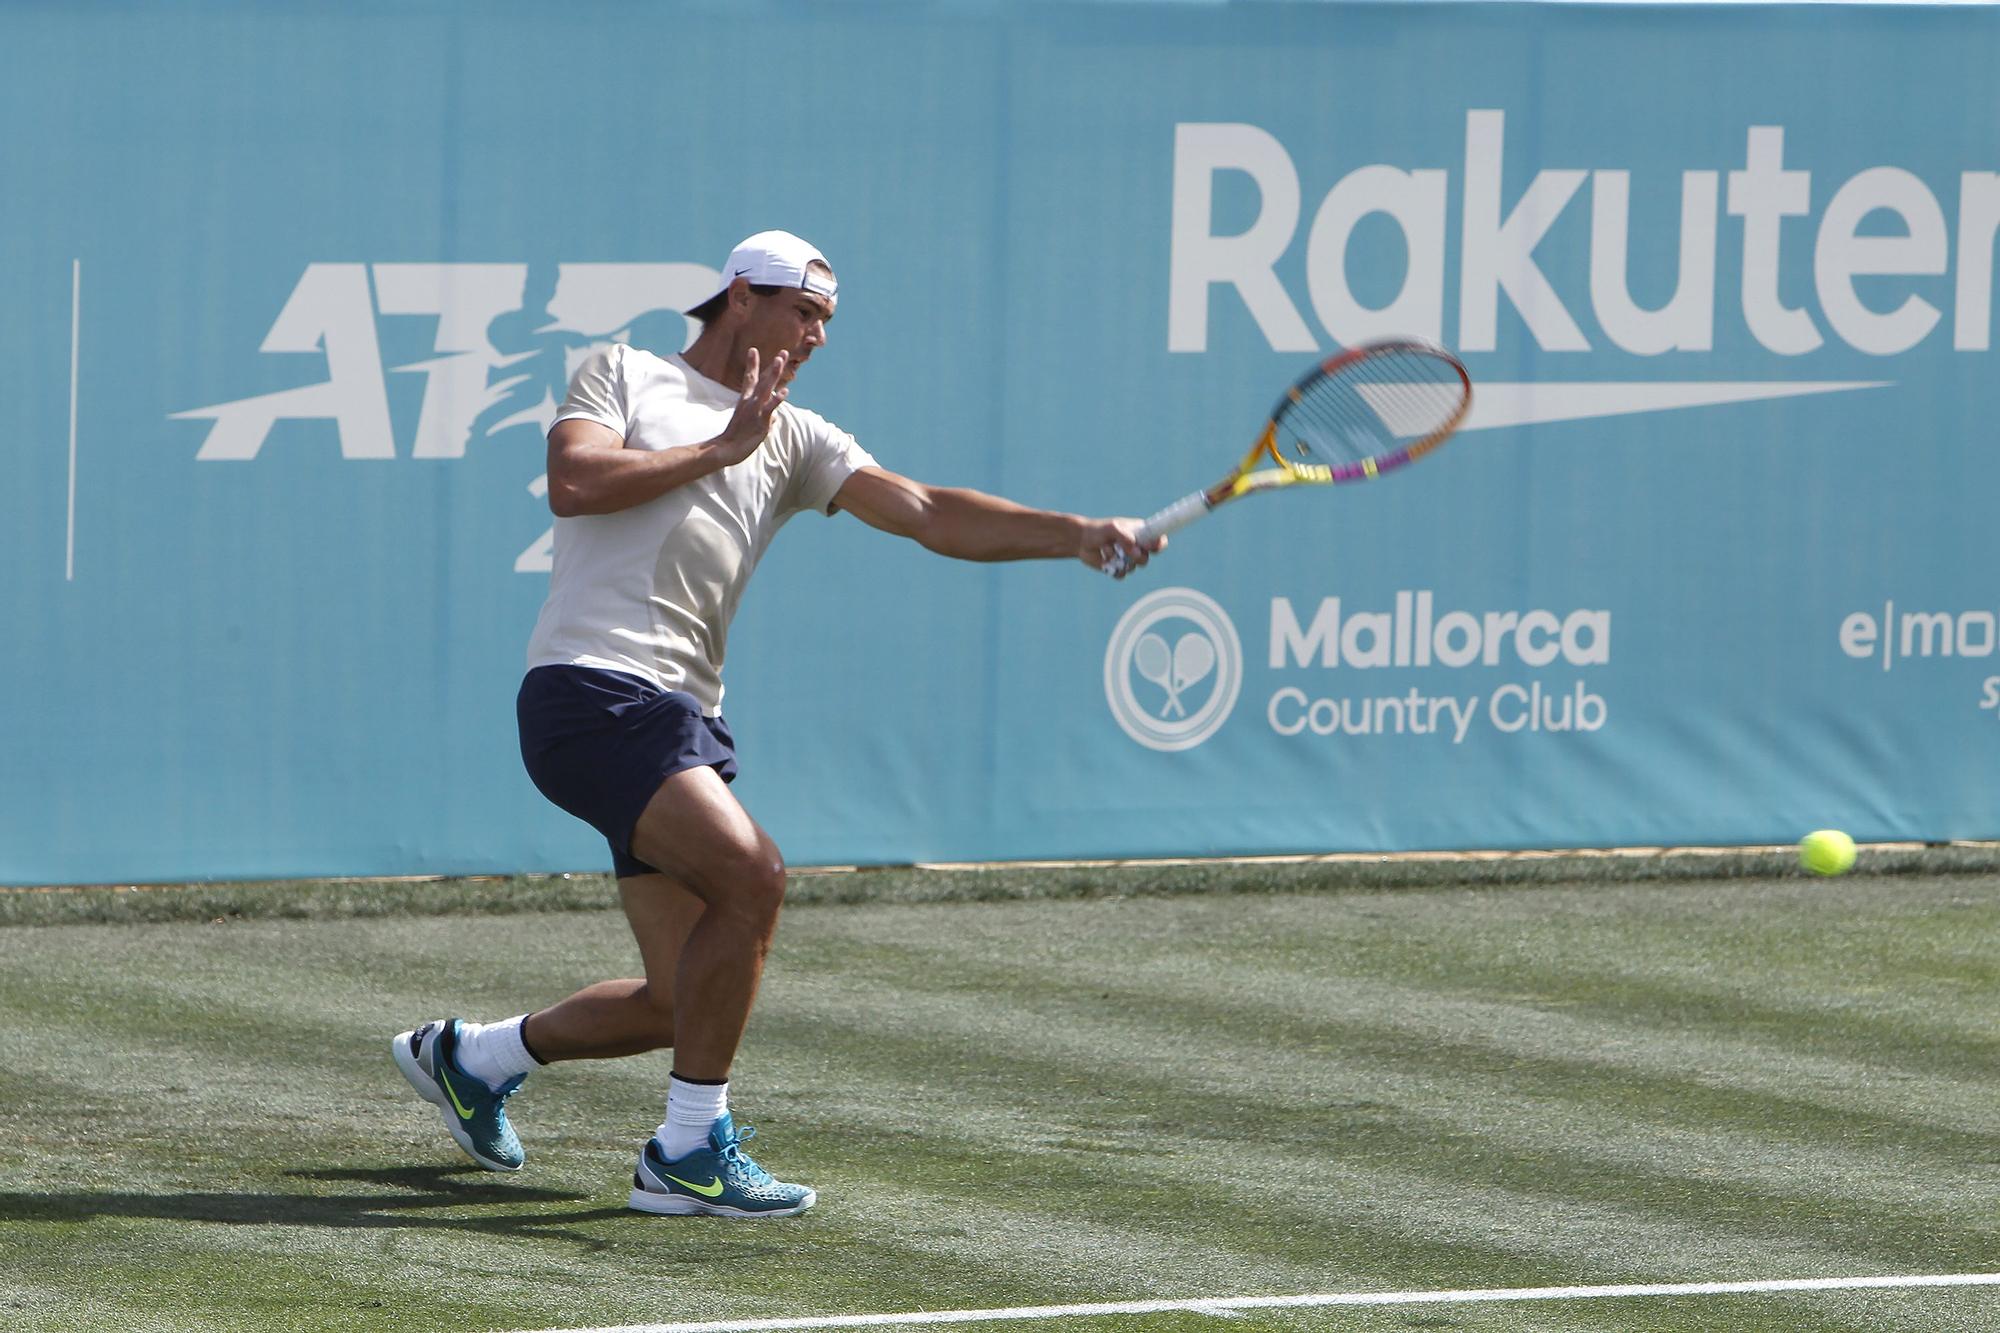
<point>1215,1304</point>
<point>75,312</point>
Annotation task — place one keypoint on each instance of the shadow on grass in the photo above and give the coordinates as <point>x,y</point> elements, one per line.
<point>404,1197</point>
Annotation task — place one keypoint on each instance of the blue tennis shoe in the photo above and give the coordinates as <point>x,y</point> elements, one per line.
<point>475,1114</point>
<point>721,1180</point>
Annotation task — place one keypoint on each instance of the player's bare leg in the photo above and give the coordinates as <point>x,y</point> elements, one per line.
<point>469,1070</point>
<point>698,834</point>
<point>635,1014</point>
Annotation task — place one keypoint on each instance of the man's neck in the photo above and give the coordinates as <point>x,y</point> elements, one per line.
<point>717,357</point>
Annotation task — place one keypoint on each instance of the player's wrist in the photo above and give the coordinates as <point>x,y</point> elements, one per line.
<point>720,452</point>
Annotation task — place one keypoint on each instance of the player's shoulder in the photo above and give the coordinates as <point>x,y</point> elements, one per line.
<point>810,426</point>
<point>621,354</point>
<point>628,354</point>
<point>640,367</point>
<point>599,365</point>
<point>802,416</point>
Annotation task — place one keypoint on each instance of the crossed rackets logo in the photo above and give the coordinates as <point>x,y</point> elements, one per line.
<point>1174,669</point>
<point>1165,649</point>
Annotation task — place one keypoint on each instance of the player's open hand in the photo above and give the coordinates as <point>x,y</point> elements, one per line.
<point>1113,546</point>
<point>751,421</point>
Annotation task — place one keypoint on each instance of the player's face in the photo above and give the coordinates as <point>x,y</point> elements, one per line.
<point>793,321</point>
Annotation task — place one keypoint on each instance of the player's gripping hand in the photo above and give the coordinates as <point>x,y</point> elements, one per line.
<point>1106,539</point>
<point>751,421</point>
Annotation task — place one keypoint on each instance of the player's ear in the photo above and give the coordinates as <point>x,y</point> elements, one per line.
<point>740,295</point>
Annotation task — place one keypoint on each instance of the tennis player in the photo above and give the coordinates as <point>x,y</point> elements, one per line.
<point>668,477</point>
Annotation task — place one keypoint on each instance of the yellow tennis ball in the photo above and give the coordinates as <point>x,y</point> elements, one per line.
<point>1826,851</point>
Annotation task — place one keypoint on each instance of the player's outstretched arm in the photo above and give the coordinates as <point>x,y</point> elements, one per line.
<point>592,472</point>
<point>972,525</point>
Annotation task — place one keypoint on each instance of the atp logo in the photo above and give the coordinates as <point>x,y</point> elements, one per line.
<point>503,341</point>
<point>1173,669</point>
<point>506,339</point>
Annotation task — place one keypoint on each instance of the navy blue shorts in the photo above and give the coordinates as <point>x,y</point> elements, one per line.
<point>600,743</point>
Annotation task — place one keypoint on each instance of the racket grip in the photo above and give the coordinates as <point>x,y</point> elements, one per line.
<point>1175,516</point>
<point>1169,520</point>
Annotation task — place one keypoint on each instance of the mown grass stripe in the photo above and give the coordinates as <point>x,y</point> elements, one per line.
<point>333,899</point>
<point>1039,1103</point>
<point>1202,1305</point>
<point>1696,1072</point>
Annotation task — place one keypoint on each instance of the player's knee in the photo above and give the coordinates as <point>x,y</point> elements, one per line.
<point>756,887</point>
<point>764,883</point>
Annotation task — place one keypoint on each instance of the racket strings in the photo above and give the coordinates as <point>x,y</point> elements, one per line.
<point>1388,405</point>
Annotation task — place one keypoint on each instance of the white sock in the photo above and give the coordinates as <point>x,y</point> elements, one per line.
<point>494,1052</point>
<point>692,1108</point>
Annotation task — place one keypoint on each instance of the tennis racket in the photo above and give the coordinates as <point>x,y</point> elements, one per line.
<point>1356,415</point>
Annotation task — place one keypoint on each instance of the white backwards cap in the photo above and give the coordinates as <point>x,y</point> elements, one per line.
<point>775,259</point>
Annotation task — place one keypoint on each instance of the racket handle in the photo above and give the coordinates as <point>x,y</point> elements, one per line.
<point>1175,516</point>
<point>1171,519</point>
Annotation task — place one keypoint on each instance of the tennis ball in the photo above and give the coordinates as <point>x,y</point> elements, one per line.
<point>1826,851</point>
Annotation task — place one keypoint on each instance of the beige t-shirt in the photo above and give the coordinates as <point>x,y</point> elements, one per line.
<point>650,590</point>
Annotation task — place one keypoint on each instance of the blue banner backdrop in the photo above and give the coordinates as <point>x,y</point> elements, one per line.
<point>292,290</point>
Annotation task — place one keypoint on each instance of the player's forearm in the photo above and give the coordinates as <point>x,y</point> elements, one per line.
<point>971,525</point>
<point>604,481</point>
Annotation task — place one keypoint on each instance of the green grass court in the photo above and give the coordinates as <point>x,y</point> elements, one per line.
<point>1039,1087</point>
